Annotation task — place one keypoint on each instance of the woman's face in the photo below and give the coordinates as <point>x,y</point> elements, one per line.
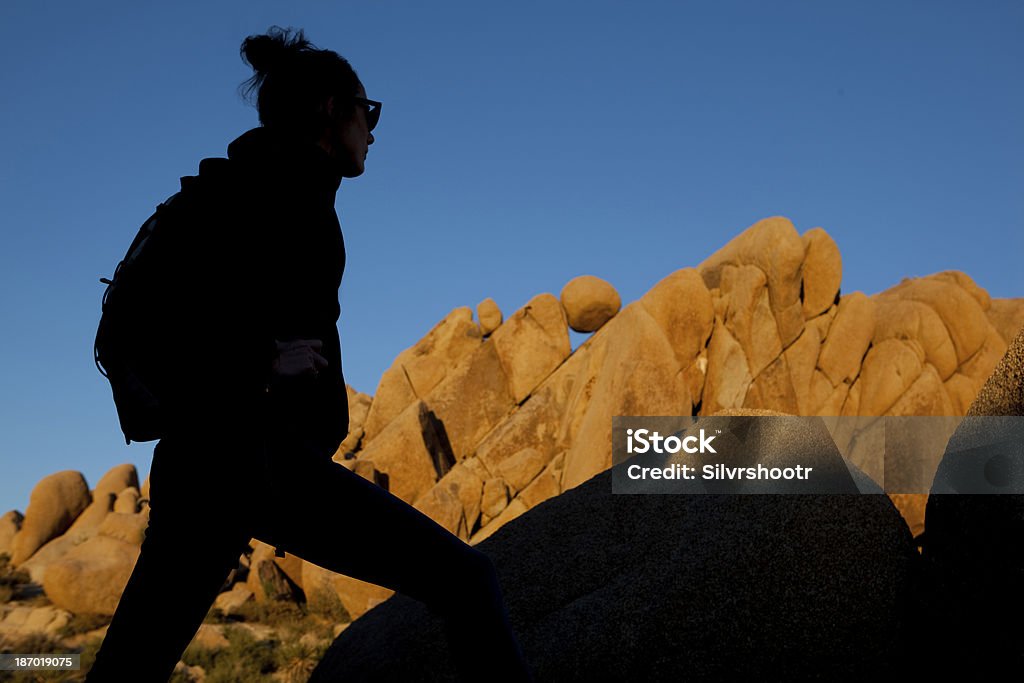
<point>348,138</point>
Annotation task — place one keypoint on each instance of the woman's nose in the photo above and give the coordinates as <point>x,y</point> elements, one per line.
<point>369,140</point>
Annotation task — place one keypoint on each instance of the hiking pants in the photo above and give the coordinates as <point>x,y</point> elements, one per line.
<point>208,499</point>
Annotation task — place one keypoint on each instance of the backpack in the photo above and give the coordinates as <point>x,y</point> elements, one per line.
<point>126,348</point>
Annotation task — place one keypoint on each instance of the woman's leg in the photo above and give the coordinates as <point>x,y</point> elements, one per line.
<point>327,515</point>
<point>191,544</point>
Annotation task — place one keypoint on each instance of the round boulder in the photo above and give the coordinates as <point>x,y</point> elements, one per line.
<point>489,315</point>
<point>589,302</point>
<point>117,479</point>
<point>90,577</point>
<point>54,504</point>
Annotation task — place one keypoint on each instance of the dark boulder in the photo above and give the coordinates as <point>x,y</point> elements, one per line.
<point>604,586</point>
<point>974,542</point>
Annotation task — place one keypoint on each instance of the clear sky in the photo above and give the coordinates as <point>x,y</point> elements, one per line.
<point>521,144</point>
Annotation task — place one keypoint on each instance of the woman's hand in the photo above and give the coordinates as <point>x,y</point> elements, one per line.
<point>298,358</point>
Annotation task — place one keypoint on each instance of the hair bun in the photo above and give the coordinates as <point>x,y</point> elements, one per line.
<point>266,53</point>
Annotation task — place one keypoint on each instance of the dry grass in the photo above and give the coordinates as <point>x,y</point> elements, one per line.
<point>43,644</point>
<point>289,658</point>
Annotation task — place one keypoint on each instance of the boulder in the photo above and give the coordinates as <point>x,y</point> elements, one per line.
<point>548,420</point>
<point>273,584</point>
<point>10,523</point>
<point>1003,393</point>
<point>508,513</point>
<point>443,505</point>
<point>484,377</point>
<point>979,367</point>
<point>888,371</point>
<point>773,246</point>
<point>489,315</point>
<point>125,526</point>
<point>1007,316</point>
<point>54,504</point>
<point>455,501</point>
<point>231,602</point>
<point>955,298</point>
<point>411,452</point>
<point>21,621</point>
<point>907,320</point>
<point>358,408</point>
<point>51,551</point>
<point>589,302</point>
<point>748,316</point>
<point>87,522</point>
<point>90,577</point>
<point>728,373</point>
<point>669,587</point>
<point>848,338</point>
<point>822,272</point>
<point>974,546</point>
<point>683,309</point>
<point>117,479</point>
<point>127,501</point>
<point>494,497</point>
<point>634,372</point>
<point>189,674</point>
<point>772,388</point>
<point>801,360</point>
<point>531,344</point>
<point>210,637</point>
<point>420,368</point>
<point>365,469</point>
<point>336,594</point>
<point>85,527</point>
<point>271,577</point>
<point>547,484</point>
<point>519,470</point>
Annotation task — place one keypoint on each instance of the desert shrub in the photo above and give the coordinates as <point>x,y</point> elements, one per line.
<point>294,661</point>
<point>32,643</point>
<point>87,650</point>
<point>272,612</point>
<point>83,623</point>
<point>244,659</point>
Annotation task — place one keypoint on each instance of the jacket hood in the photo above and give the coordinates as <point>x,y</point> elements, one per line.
<point>273,154</point>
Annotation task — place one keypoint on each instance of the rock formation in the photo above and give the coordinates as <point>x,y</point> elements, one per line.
<point>759,324</point>
<point>480,422</point>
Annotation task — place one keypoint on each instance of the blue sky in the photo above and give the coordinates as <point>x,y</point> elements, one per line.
<point>521,144</point>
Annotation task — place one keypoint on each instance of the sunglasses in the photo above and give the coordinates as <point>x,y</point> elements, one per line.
<point>372,110</point>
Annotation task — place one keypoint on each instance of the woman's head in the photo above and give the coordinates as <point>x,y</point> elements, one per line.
<point>313,94</point>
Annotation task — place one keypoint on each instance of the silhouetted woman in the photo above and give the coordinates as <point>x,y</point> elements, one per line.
<point>255,396</point>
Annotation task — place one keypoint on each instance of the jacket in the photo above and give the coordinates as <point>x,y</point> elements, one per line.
<point>259,257</point>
